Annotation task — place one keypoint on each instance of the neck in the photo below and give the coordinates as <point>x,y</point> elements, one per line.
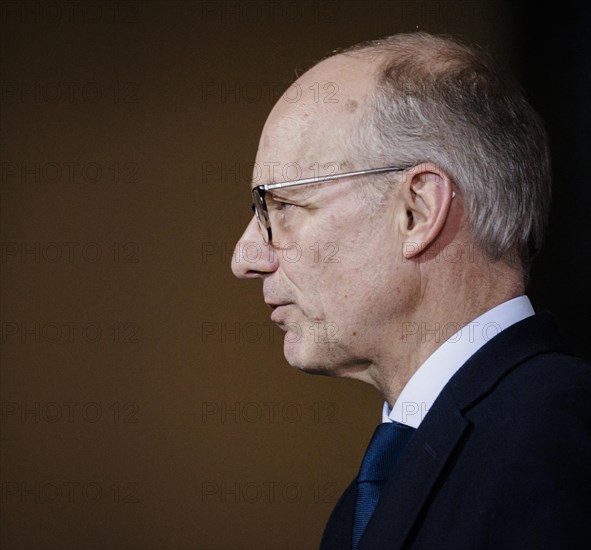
<point>444,308</point>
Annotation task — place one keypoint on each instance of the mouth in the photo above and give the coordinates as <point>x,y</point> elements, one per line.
<point>275,305</point>
<point>278,311</point>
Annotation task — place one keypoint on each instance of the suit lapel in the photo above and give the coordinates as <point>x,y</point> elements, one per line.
<point>442,429</point>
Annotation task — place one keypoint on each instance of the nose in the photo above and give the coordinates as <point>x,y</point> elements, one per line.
<point>252,256</point>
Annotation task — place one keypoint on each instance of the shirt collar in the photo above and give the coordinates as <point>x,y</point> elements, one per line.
<point>426,383</point>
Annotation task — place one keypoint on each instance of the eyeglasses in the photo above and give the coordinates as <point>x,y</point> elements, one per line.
<point>259,204</point>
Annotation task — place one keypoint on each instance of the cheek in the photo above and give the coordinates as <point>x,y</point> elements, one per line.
<point>339,285</point>
<point>339,260</point>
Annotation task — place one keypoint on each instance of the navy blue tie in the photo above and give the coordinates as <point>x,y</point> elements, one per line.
<point>383,452</point>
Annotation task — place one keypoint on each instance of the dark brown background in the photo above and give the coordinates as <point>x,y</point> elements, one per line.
<point>146,403</point>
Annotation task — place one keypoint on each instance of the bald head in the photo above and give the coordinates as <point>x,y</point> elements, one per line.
<point>313,125</point>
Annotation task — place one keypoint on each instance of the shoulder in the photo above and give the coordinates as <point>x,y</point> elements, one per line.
<point>548,379</point>
<point>526,368</point>
<point>542,403</point>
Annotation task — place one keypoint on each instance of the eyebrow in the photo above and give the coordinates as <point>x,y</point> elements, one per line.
<point>290,193</point>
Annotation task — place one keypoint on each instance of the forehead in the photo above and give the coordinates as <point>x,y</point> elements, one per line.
<point>309,135</point>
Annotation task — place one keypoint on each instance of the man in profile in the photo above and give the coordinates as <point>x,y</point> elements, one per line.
<point>430,177</point>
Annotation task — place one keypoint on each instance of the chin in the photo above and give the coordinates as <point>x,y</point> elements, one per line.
<point>305,357</point>
<point>312,358</point>
<point>309,357</point>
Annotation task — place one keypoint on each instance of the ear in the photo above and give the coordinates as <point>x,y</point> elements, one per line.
<point>427,197</point>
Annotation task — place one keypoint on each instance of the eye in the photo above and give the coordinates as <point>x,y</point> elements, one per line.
<point>281,205</point>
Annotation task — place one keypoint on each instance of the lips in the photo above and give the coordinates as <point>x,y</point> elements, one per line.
<point>274,305</point>
<point>278,313</point>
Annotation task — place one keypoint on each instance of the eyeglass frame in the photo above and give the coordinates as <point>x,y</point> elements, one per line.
<point>258,193</point>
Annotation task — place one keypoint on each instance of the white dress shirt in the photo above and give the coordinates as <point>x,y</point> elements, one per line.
<point>426,383</point>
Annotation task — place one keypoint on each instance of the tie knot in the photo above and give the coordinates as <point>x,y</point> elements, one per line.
<point>383,451</point>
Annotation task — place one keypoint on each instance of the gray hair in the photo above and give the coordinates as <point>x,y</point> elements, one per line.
<point>439,100</point>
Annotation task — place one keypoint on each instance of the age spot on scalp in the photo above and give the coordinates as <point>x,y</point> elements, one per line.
<point>351,105</point>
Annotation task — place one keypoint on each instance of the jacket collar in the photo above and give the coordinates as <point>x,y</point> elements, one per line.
<point>445,424</point>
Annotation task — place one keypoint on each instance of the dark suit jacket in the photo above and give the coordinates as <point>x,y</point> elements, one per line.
<point>501,461</point>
